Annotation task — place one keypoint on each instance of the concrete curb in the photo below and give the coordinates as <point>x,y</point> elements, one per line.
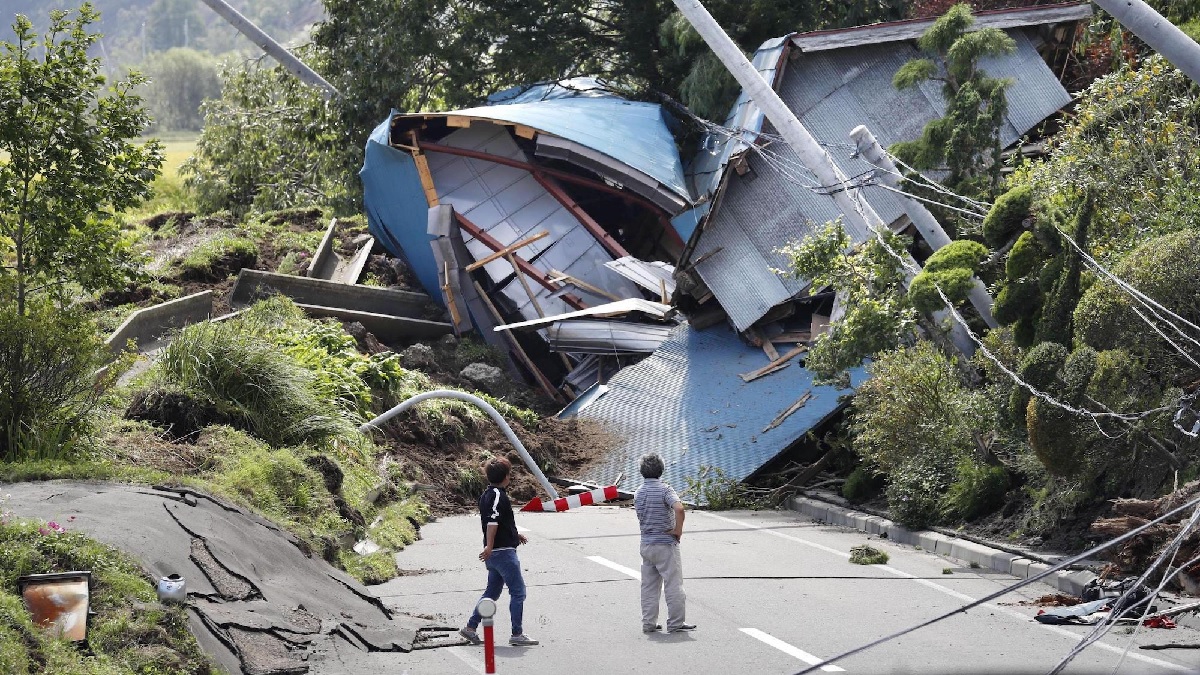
<point>1069,582</point>
<point>149,324</point>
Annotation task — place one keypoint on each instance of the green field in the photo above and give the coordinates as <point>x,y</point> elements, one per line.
<point>176,148</point>
<point>169,193</point>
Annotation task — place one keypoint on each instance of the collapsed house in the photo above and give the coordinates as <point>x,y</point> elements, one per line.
<point>561,223</point>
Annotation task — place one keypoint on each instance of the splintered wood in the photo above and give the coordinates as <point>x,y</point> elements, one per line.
<point>804,398</point>
<point>778,364</point>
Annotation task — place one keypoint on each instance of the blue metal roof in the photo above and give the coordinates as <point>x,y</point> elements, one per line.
<point>636,134</point>
<point>397,211</point>
<point>687,403</point>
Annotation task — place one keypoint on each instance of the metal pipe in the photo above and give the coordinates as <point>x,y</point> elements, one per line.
<point>276,50</point>
<point>1163,36</point>
<point>487,408</point>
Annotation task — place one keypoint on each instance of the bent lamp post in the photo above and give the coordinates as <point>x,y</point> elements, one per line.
<point>486,407</point>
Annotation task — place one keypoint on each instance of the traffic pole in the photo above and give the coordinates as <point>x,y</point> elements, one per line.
<point>486,607</point>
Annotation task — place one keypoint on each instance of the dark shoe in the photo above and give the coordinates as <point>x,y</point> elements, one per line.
<point>647,628</point>
<point>470,635</point>
<point>682,627</point>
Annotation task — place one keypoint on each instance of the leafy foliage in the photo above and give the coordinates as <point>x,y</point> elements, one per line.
<point>69,164</point>
<point>977,490</point>
<point>178,82</point>
<point>914,406</point>
<point>950,269</point>
<point>717,491</point>
<point>1134,147</point>
<point>878,314</point>
<point>271,142</point>
<point>967,139</point>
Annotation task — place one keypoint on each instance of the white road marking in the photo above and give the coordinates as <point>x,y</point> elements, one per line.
<point>790,650</point>
<point>475,661</point>
<point>614,566</point>
<point>523,529</point>
<point>1125,651</point>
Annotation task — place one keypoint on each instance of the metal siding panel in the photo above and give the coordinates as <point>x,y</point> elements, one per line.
<point>687,403</point>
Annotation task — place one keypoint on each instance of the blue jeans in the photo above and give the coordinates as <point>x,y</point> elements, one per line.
<point>504,569</point>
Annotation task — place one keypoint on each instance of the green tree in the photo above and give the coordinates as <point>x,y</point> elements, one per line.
<point>68,165</point>
<point>70,161</point>
<point>271,142</point>
<point>180,80</point>
<point>878,317</point>
<point>966,141</point>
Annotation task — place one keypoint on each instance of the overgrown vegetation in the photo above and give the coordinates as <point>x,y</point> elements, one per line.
<point>129,632</point>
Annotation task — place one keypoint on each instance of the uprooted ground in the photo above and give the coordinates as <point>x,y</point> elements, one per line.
<point>446,462</point>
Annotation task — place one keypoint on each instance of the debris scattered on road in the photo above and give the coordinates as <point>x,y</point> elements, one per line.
<point>867,555</point>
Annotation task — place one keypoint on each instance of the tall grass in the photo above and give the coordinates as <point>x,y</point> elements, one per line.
<point>232,364</point>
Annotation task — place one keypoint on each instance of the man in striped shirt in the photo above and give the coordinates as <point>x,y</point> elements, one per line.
<point>660,517</point>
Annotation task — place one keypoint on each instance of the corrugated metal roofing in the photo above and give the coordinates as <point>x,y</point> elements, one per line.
<point>634,133</point>
<point>832,92</point>
<point>397,212</point>
<point>687,403</point>
<point>510,205</point>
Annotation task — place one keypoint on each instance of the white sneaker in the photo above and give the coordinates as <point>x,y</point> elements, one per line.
<point>522,640</point>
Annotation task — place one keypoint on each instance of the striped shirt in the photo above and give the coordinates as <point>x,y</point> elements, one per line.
<point>655,505</point>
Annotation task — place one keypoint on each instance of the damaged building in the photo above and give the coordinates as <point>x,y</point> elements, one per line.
<point>638,286</point>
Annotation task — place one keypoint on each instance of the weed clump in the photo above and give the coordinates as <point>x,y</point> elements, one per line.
<point>868,555</point>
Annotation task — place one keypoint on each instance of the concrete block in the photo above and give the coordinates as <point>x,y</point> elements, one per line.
<point>876,525</point>
<point>944,545</point>
<point>970,552</point>
<point>903,535</point>
<point>387,328</point>
<point>1019,567</point>
<point>1002,561</point>
<point>324,261</point>
<point>149,324</point>
<point>1072,583</point>
<point>929,540</point>
<point>1036,568</point>
<point>254,285</point>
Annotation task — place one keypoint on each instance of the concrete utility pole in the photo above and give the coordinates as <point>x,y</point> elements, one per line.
<point>859,218</point>
<point>276,50</point>
<point>922,219</point>
<point>1162,35</point>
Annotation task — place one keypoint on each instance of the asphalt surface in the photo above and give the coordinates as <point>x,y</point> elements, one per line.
<point>771,592</point>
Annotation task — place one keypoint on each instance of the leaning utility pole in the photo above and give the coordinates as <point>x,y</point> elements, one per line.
<point>859,218</point>
<point>869,148</point>
<point>1163,36</point>
<point>276,50</point>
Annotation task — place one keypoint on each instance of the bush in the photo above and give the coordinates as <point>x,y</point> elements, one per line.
<point>712,488</point>
<point>977,490</point>
<point>1055,437</point>
<point>955,283</point>
<point>1007,216</point>
<point>914,492</point>
<point>960,254</point>
<point>1016,300</point>
<point>862,484</point>
<point>253,381</point>
<point>1026,255</point>
<point>48,386</point>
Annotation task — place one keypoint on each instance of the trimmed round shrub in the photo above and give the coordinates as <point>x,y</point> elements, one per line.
<point>1054,437</point>
<point>1026,255</point>
<point>1007,216</point>
<point>960,254</point>
<point>955,283</point>
<point>1016,300</point>
<point>1041,365</point>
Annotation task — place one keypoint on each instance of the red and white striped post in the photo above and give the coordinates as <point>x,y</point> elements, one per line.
<point>487,609</point>
<point>596,496</point>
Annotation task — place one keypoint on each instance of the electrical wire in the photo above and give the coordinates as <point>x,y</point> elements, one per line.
<point>1074,560</point>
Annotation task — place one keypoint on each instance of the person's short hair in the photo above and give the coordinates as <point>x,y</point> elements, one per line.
<point>497,469</point>
<point>651,465</point>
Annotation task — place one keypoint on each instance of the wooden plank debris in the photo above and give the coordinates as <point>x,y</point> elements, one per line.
<point>559,277</point>
<point>804,398</point>
<point>533,272</point>
<point>793,337</point>
<point>522,356</point>
<point>426,178</point>
<point>777,364</point>
<point>507,251</point>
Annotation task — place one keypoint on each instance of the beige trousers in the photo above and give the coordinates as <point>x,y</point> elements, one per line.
<point>662,572</point>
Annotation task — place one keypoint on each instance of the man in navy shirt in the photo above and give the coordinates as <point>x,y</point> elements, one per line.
<point>500,542</point>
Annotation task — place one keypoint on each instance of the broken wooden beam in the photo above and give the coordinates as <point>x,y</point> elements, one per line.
<point>507,250</point>
<point>533,272</point>
<point>557,276</point>
<point>804,398</point>
<point>522,356</point>
<point>777,364</point>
